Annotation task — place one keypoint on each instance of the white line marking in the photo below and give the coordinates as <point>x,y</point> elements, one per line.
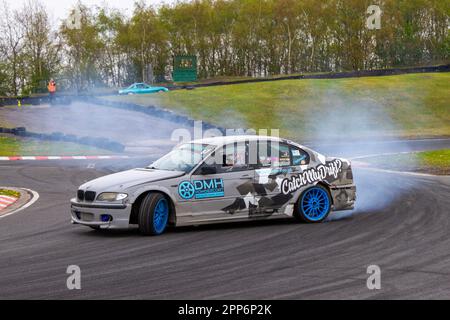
<point>380,141</point>
<point>33,200</point>
<point>368,167</point>
<point>383,154</point>
<point>41,158</point>
<point>405,172</point>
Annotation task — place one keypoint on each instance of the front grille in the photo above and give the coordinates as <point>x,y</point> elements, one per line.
<point>89,195</point>
<point>84,216</point>
<point>80,195</point>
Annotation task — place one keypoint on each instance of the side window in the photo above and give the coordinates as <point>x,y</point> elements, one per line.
<point>264,159</point>
<point>284,156</point>
<point>299,156</point>
<point>232,158</point>
<point>272,154</point>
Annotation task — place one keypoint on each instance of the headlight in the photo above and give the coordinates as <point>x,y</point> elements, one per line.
<point>111,196</point>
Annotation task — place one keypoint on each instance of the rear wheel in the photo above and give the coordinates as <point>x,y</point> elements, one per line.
<point>314,204</point>
<point>153,214</point>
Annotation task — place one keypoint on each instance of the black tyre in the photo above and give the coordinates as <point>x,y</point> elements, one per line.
<point>153,214</point>
<point>313,205</point>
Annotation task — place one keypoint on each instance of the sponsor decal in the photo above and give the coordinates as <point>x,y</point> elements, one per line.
<point>201,189</point>
<point>312,175</point>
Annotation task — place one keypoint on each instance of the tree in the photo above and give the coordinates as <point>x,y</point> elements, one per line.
<point>39,49</point>
<point>229,38</point>
<point>12,39</point>
<point>112,63</point>
<point>148,40</point>
<point>82,47</point>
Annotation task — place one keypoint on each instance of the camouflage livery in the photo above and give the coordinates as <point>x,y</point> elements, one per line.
<point>210,191</point>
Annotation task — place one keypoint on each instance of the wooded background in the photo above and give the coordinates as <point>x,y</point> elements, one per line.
<point>230,38</point>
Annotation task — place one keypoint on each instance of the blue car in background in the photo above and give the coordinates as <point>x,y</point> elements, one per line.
<point>138,88</point>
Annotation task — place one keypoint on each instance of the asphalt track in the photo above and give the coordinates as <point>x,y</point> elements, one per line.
<point>401,223</point>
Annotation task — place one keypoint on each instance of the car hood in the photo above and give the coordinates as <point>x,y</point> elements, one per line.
<point>120,181</point>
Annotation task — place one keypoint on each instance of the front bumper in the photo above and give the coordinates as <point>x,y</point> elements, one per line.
<point>89,214</point>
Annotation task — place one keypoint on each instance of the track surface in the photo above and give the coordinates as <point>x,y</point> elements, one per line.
<point>401,223</point>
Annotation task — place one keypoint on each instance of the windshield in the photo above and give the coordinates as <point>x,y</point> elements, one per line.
<point>183,158</point>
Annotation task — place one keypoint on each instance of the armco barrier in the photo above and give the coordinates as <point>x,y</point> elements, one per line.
<point>331,75</point>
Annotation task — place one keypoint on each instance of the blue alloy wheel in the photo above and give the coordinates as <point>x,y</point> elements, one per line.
<point>315,204</point>
<point>160,215</point>
<point>153,215</point>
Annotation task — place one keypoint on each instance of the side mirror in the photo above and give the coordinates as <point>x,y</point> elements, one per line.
<point>205,170</point>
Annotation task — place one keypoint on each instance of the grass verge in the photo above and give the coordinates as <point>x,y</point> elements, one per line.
<point>13,146</point>
<point>10,193</point>
<point>433,162</point>
<point>405,106</point>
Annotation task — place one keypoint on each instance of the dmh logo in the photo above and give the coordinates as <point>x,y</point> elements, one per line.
<point>208,188</point>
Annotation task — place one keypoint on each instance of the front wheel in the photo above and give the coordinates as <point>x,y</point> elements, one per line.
<point>314,204</point>
<point>153,214</point>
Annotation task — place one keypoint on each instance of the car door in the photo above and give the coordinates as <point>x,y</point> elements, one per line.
<point>274,165</point>
<point>147,89</point>
<point>228,193</point>
<point>139,88</point>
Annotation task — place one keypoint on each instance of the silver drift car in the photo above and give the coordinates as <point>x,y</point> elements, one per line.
<point>221,179</point>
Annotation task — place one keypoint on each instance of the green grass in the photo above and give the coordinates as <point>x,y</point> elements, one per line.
<point>437,162</point>
<point>12,146</point>
<point>412,105</point>
<point>10,193</point>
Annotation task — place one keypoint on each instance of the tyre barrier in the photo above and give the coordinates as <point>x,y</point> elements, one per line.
<point>103,143</point>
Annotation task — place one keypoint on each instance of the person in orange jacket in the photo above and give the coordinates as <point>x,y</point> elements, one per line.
<point>51,88</point>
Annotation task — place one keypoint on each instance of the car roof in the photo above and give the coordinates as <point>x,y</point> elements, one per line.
<point>221,140</point>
